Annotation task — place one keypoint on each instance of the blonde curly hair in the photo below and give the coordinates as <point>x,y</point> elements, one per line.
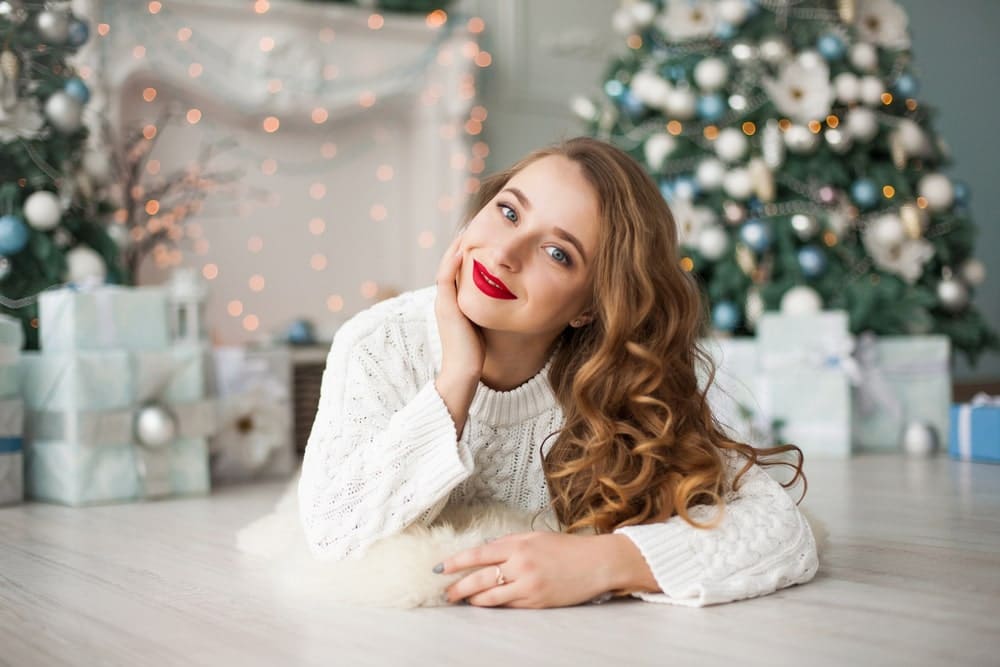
<point>640,442</point>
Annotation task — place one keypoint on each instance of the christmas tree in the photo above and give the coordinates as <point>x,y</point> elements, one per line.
<point>50,221</point>
<point>802,169</point>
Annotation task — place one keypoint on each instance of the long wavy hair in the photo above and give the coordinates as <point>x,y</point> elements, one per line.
<point>639,442</point>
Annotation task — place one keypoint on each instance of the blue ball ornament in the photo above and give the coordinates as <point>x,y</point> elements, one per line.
<point>906,85</point>
<point>632,105</point>
<point>812,261</point>
<point>614,88</point>
<point>79,32</point>
<point>831,46</point>
<point>756,235</point>
<point>725,316</point>
<point>686,187</point>
<point>960,192</point>
<point>864,193</point>
<point>13,235</point>
<point>677,73</point>
<point>711,107</point>
<point>725,30</point>
<point>78,90</point>
<point>300,332</point>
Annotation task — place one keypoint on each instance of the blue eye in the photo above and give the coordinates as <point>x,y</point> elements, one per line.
<point>502,207</point>
<point>559,256</point>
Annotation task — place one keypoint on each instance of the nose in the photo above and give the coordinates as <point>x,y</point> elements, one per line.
<point>509,252</point>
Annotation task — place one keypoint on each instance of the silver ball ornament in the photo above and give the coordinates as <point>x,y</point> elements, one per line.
<point>53,26</point>
<point>713,242</point>
<point>919,439</point>
<point>64,112</point>
<point>805,226</point>
<point>155,426</point>
<point>743,51</point>
<point>13,11</point>
<point>953,294</point>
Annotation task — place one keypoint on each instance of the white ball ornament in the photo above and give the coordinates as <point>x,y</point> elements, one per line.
<point>801,300</point>
<point>643,13</point>
<point>657,148</point>
<point>919,439</point>
<point>155,426</point>
<point>711,74</point>
<point>774,50</point>
<point>650,88</point>
<point>731,144</point>
<point>887,231</point>
<point>713,242</point>
<point>847,87</point>
<point>861,123</point>
<point>64,112</point>
<point>83,265</point>
<point>581,106</point>
<point>952,294</point>
<point>937,190</point>
<point>911,137</point>
<point>623,22</point>
<point>871,89</point>
<point>810,58</point>
<point>731,11</point>
<point>681,103</point>
<point>710,174</point>
<point>839,141</point>
<point>800,139</point>
<point>738,184</point>
<point>42,210</point>
<point>864,56</point>
<point>973,272</point>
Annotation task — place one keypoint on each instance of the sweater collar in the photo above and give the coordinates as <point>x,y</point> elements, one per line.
<point>500,408</point>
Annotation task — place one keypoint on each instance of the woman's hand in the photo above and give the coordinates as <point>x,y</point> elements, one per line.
<point>540,569</point>
<point>462,345</point>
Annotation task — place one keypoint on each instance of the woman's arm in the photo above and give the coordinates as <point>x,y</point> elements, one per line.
<point>763,543</point>
<point>383,452</point>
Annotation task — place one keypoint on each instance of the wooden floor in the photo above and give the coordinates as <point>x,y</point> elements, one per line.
<point>911,575</point>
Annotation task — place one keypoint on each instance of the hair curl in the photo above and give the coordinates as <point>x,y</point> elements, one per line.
<point>640,442</point>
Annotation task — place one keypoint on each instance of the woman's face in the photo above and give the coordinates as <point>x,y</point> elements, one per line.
<point>536,242</point>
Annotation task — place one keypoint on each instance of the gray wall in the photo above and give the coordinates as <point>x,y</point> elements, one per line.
<point>546,51</point>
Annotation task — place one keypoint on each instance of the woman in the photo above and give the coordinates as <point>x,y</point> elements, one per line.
<point>555,364</point>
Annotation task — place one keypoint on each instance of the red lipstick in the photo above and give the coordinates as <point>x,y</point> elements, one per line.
<point>489,284</point>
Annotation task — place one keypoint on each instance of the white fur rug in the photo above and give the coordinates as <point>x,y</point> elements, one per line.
<point>396,571</point>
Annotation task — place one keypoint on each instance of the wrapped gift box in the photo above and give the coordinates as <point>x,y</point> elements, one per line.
<point>11,461</point>
<point>103,318</point>
<point>975,430</point>
<point>11,342</point>
<point>733,395</point>
<point>806,366</point>
<point>255,436</point>
<point>903,378</point>
<point>83,444</point>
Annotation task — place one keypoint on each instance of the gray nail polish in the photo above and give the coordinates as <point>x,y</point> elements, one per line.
<point>439,568</point>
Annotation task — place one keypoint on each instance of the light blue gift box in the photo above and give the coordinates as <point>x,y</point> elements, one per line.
<point>106,317</point>
<point>11,342</point>
<point>735,387</point>
<point>975,430</point>
<point>11,461</point>
<point>805,363</point>
<point>81,446</point>
<point>903,379</point>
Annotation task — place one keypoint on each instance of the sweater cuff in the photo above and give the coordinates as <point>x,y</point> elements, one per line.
<point>666,547</point>
<point>435,447</point>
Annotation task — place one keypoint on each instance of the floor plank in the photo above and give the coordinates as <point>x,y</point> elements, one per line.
<point>911,575</point>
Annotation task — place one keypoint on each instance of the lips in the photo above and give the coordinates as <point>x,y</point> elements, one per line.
<point>489,284</point>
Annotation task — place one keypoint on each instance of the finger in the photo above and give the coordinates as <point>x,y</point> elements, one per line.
<point>450,264</point>
<point>481,556</point>
<point>476,584</point>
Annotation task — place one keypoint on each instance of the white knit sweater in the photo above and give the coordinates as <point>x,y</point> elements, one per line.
<point>383,453</point>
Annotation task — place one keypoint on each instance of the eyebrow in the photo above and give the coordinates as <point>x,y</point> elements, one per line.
<point>559,231</point>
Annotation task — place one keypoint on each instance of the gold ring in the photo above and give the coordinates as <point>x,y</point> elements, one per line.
<point>500,580</point>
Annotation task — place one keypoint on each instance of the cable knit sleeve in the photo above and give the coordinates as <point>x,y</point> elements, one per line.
<point>383,452</point>
<point>763,543</point>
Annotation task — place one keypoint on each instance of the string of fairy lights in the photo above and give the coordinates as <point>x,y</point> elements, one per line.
<point>157,33</point>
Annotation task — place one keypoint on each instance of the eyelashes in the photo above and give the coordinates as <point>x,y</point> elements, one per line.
<point>563,258</point>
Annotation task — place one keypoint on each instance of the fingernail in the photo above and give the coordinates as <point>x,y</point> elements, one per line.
<point>439,568</point>
<point>458,254</point>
